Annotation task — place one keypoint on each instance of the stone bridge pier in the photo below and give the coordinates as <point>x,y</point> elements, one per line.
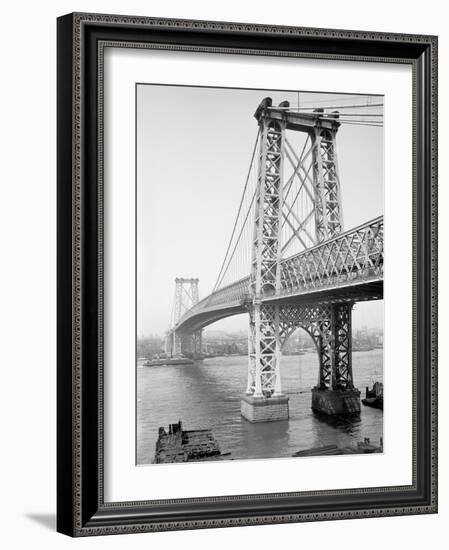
<point>184,343</point>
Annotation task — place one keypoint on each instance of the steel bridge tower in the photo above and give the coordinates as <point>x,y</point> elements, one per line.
<point>329,324</point>
<point>179,342</point>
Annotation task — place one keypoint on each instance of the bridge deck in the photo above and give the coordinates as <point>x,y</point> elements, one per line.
<point>348,267</point>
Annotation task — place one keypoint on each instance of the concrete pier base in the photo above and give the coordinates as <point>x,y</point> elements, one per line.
<point>335,402</point>
<point>264,409</point>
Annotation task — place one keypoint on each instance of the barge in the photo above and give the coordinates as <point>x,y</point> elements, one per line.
<point>178,445</point>
<point>163,360</point>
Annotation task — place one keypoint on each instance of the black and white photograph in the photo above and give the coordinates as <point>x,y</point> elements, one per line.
<point>260,264</point>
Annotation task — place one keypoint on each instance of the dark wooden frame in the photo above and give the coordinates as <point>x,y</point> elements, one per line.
<point>81,510</point>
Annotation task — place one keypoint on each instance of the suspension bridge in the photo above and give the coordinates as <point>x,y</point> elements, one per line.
<point>290,262</point>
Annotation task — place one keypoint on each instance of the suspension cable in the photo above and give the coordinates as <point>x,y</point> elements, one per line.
<point>238,239</point>
<point>239,210</point>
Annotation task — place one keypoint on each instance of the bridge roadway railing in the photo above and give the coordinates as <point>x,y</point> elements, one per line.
<point>354,255</point>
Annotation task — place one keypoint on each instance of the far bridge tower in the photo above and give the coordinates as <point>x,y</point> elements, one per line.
<point>182,342</point>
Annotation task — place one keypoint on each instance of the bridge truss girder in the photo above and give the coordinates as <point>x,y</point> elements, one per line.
<point>328,210</point>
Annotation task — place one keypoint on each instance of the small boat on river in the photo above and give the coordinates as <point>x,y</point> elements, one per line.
<point>163,359</point>
<point>374,397</point>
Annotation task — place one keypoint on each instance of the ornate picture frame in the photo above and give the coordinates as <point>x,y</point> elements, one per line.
<point>81,508</point>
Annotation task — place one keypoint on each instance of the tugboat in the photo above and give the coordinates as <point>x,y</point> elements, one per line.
<point>374,397</point>
<point>163,359</point>
<point>180,445</point>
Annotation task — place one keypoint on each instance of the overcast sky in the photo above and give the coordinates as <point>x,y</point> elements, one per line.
<point>193,152</point>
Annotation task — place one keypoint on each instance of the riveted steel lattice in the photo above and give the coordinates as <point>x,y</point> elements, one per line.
<point>342,347</point>
<point>328,211</point>
<point>317,321</point>
<point>330,328</point>
<point>268,208</point>
<point>269,326</point>
<point>355,254</point>
<point>264,342</point>
<point>329,325</point>
<point>264,351</point>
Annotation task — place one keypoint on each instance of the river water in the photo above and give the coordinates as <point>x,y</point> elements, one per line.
<point>207,395</point>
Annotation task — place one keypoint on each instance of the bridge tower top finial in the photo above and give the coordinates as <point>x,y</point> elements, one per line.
<point>262,107</point>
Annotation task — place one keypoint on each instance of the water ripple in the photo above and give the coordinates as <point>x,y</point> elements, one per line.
<point>207,395</point>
